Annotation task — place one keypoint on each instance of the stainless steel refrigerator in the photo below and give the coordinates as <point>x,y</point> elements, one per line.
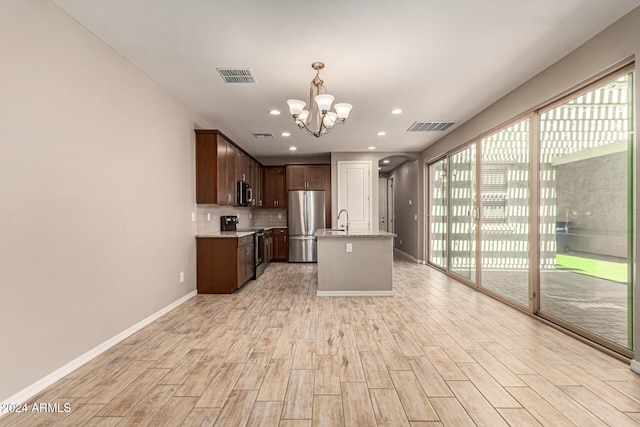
<point>306,215</point>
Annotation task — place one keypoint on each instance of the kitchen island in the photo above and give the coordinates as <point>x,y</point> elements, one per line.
<point>357,263</point>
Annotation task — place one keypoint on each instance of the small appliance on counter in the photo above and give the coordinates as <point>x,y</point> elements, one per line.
<point>228,223</point>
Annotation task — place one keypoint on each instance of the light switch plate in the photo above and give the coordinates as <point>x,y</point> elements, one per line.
<point>349,247</point>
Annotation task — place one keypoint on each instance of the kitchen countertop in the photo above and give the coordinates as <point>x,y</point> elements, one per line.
<point>225,234</point>
<point>236,234</point>
<point>326,232</point>
<point>269,227</point>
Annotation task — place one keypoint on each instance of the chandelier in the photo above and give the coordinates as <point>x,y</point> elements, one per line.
<point>318,120</point>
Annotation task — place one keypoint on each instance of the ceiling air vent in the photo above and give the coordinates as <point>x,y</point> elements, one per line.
<point>430,126</point>
<point>237,75</point>
<point>265,135</point>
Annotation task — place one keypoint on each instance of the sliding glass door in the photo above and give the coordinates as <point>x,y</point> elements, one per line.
<point>438,213</point>
<point>560,245</point>
<point>504,201</point>
<point>462,213</point>
<point>585,200</point>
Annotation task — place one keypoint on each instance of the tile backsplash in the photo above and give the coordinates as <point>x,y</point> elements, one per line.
<point>248,217</point>
<point>269,217</point>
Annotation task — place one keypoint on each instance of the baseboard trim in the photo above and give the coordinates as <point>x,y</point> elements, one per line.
<point>407,256</point>
<point>635,366</point>
<point>40,385</point>
<point>355,293</point>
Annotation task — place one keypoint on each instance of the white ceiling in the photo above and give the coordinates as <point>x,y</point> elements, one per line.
<point>438,60</point>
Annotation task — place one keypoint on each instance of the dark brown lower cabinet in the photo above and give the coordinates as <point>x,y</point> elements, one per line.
<point>224,263</point>
<point>280,244</point>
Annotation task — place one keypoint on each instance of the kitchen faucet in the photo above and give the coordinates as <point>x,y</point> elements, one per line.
<point>340,213</point>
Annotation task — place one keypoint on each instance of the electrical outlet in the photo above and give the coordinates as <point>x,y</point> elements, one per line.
<point>208,216</point>
<point>279,216</point>
<point>250,215</point>
<point>401,241</point>
<point>349,247</point>
<point>181,276</point>
<point>193,217</point>
<point>415,217</point>
<point>409,202</point>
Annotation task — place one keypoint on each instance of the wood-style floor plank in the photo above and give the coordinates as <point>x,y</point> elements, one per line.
<point>327,411</point>
<point>488,386</point>
<point>274,384</point>
<point>478,408</point>
<point>518,417</point>
<point>451,412</point>
<point>575,412</point>
<point>265,414</point>
<point>375,371</point>
<point>388,408</point>
<point>298,401</point>
<point>601,408</point>
<point>356,405</point>
<point>436,354</point>
<point>237,408</point>
<point>416,403</point>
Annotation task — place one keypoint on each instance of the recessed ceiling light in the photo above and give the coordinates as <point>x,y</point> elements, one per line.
<point>274,112</point>
<point>285,134</point>
<point>292,148</point>
<point>382,133</point>
<point>396,111</point>
<point>386,162</point>
<point>371,148</point>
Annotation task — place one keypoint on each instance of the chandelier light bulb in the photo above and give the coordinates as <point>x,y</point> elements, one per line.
<point>303,117</point>
<point>324,101</point>
<point>343,110</point>
<point>296,106</point>
<point>330,119</point>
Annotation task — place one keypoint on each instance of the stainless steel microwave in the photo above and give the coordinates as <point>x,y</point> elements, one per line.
<point>243,194</point>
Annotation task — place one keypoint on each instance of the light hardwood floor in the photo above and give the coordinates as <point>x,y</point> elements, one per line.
<point>274,354</point>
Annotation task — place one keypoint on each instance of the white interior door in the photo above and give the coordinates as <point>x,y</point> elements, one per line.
<point>354,193</point>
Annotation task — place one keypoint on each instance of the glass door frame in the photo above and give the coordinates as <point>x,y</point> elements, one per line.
<point>447,269</point>
<point>533,217</point>
<point>588,87</point>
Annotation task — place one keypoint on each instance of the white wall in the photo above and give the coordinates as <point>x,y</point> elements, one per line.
<point>96,193</point>
<point>617,43</point>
